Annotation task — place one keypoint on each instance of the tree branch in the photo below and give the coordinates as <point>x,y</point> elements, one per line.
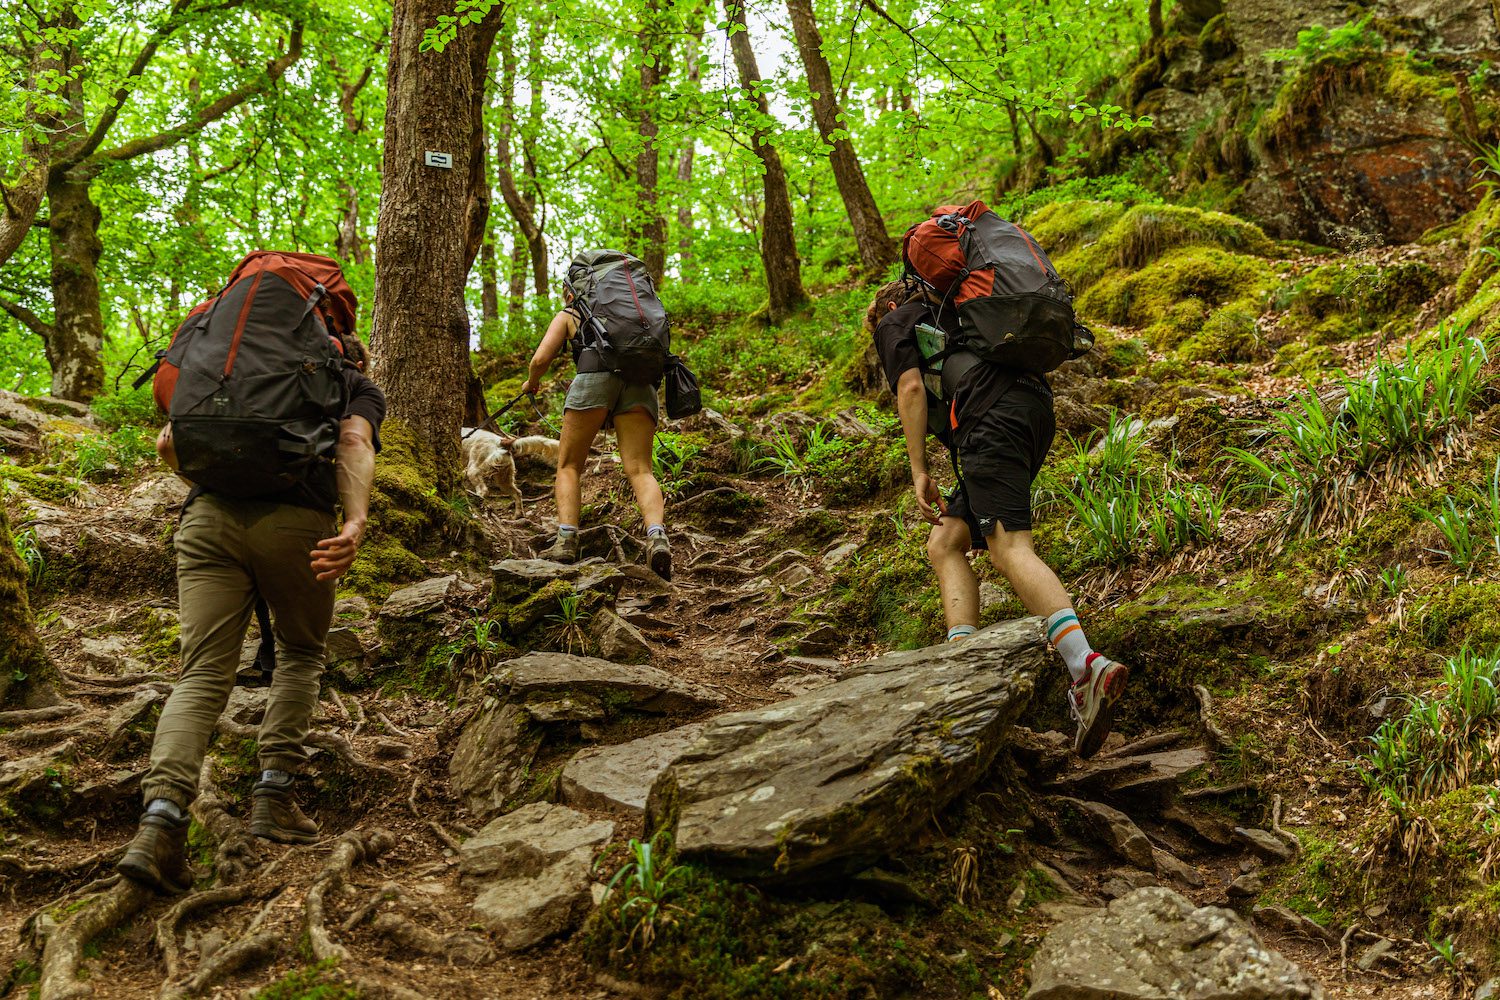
<point>213,112</point>
<point>27,318</point>
<point>126,88</point>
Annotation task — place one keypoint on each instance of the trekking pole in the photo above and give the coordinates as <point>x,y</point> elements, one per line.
<point>490,420</point>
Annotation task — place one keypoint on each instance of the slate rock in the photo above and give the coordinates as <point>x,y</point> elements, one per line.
<point>833,780</point>
<point>621,776</point>
<point>492,757</point>
<point>517,579</point>
<point>1172,866</point>
<point>1114,830</point>
<point>534,866</point>
<point>635,686</point>
<point>1265,844</point>
<point>344,646</point>
<point>247,706</point>
<point>1154,944</point>
<point>823,639</point>
<point>532,839</point>
<point>618,640</point>
<point>111,654</point>
<point>1246,886</point>
<point>838,555</point>
<point>419,598</point>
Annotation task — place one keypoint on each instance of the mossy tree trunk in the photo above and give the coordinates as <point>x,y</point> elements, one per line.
<point>877,251</point>
<point>778,243</point>
<point>75,347</point>
<point>27,677</point>
<point>422,239</point>
<point>651,226</point>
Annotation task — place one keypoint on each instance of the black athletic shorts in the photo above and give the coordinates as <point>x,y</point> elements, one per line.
<point>999,458</point>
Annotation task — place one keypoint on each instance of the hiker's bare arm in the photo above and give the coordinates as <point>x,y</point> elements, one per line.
<point>355,470</point>
<point>164,448</point>
<point>558,332</point>
<point>911,404</point>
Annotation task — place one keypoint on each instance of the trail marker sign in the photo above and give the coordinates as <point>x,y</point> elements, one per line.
<point>444,160</point>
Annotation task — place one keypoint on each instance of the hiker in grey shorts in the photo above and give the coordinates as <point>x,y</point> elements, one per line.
<point>596,400</point>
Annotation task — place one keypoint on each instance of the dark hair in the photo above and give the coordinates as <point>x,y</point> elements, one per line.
<point>355,352</point>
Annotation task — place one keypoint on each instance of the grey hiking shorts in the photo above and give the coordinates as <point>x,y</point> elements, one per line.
<point>591,390</point>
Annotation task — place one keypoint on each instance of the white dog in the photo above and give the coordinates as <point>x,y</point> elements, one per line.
<point>488,459</point>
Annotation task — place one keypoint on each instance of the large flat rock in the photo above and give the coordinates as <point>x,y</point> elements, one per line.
<point>834,779</point>
<point>1154,944</point>
<point>621,776</point>
<point>544,676</point>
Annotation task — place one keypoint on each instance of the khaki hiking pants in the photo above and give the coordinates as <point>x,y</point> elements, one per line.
<point>228,551</point>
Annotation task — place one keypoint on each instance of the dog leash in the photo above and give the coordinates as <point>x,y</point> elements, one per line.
<point>489,421</point>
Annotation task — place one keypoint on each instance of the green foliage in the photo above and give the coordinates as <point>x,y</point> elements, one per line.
<point>30,551</point>
<point>645,886</point>
<point>1445,739</point>
<point>1401,408</point>
<point>101,456</point>
<point>316,982</point>
<point>1317,42</point>
<point>671,456</point>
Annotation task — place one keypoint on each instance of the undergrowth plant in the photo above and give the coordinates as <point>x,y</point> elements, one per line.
<point>1320,454</point>
<point>30,551</point>
<point>638,897</point>
<point>1470,533</point>
<point>671,457</point>
<point>569,620</point>
<point>1445,740</point>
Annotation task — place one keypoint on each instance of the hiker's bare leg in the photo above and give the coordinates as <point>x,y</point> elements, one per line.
<point>579,428</point>
<point>1032,580</point>
<point>634,430</point>
<point>948,551</point>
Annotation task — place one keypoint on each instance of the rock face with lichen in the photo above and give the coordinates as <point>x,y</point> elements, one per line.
<point>832,780</point>
<point>1355,134</point>
<point>1154,944</point>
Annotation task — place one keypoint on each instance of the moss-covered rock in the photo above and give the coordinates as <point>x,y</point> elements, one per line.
<point>1173,297</point>
<point>1144,234</point>
<point>41,485</point>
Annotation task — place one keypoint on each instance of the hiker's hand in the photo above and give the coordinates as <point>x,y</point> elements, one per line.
<point>532,387</point>
<point>332,557</point>
<point>929,498</point>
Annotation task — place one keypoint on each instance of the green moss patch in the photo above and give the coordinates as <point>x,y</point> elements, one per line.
<point>47,488</point>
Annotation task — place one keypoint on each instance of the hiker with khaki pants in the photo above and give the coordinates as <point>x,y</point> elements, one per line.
<point>251,532</point>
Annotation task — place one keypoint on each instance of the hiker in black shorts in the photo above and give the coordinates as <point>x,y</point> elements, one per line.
<point>1000,425</point>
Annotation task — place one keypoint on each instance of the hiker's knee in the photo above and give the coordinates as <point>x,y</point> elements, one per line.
<point>948,539</point>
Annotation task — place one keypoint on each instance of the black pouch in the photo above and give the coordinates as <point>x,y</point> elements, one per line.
<point>681,388</point>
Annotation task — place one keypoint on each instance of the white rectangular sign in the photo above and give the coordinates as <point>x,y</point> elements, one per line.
<point>444,160</point>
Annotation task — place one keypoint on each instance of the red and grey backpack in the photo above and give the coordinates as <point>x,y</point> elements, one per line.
<point>253,380</point>
<point>1013,308</point>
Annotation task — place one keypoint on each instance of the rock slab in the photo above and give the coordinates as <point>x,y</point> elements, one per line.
<point>832,780</point>
<point>1153,944</point>
<point>621,776</point>
<point>533,866</point>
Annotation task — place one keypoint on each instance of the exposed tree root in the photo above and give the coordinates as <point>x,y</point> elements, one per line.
<point>64,950</point>
<point>331,742</point>
<point>235,847</point>
<point>31,716</point>
<point>458,948</point>
<point>17,869</point>
<point>391,890</point>
<point>250,950</point>
<point>352,848</point>
<point>166,925</point>
<point>44,736</point>
<point>1206,713</point>
<point>1286,835</point>
<point>436,827</point>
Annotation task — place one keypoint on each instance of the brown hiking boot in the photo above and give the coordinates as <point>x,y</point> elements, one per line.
<point>274,815</point>
<point>564,550</point>
<point>157,857</point>
<point>659,556</point>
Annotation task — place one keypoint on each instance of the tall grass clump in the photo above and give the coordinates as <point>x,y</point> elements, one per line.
<point>1320,453</point>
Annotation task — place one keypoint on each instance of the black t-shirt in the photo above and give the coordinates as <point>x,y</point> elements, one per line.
<point>974,392</point>
<point>320,490</point>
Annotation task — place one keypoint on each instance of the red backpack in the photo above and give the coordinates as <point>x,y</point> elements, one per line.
<point>253,380</point>
<point>1013,307</point>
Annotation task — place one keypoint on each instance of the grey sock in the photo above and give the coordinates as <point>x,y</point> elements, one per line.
<point>274,777</point>
<point>567,530</point>
<point>167,808</point>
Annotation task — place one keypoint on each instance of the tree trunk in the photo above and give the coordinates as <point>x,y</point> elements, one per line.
<point>519,256</point>
<point>1153,14</point>
<point>75,348</point>
<point>489,290</point>
<point>877,251</point>
<point>522,208</point>
<point>651,225</point>
<point>421,269</point>
<point>778,243</point>
<point>683,191</point>
<point>27,677</point>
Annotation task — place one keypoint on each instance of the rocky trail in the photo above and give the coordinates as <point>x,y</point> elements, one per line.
<point>466,841</point>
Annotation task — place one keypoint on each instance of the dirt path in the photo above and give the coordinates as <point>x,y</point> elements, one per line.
<point>381,893</point>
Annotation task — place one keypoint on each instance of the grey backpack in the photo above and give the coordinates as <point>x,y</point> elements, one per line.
<point>623,327</point>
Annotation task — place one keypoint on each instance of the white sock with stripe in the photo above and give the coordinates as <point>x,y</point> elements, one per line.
<point>1066,635</point>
